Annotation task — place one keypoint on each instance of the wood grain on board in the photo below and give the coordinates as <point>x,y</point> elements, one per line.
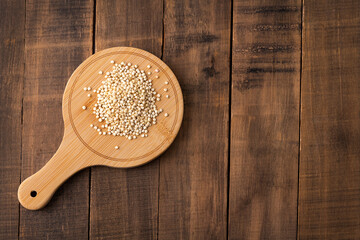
<point>124,202</point>
<point>193,172</point>
<point>329,191</point>
<point>58,38</point>
<point>265,119</point>
<point>11,89</point>
<point>83,146</point>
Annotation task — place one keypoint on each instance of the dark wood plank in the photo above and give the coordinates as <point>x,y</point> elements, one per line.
<point>193,171</point>
<point>11,92</point>
<point>329,195</point>
<point>265,119</point>
<point>124,203</point>
<point>58,39</point>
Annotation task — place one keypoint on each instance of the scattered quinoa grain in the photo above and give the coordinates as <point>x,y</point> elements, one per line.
<point>84,107</point>
<point>166,114</point>
<point>100,72</point>
<point>112,61</point>
<point>166,83</point>
<point>116,147</point>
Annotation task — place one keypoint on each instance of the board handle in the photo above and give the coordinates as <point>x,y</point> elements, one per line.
<point>36,191</point>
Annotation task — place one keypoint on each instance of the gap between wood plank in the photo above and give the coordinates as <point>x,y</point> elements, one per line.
<point>299,152</point>
<point>93,52</point>
<point>161,57</point>
<point>22,117</point>
<point>229,122</point>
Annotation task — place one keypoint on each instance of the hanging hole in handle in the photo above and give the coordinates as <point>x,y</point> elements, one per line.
<point>33,193</point>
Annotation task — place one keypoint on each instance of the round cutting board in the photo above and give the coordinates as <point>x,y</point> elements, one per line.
<point>82,146</point>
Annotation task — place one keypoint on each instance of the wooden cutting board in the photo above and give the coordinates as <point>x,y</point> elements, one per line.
<point>82,146</point>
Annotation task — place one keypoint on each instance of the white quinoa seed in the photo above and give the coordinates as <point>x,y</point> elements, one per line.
<point>116,147</point>
<point>126,102</point>
<point>100,72</point>
<point>84,107</point>
<point>166,114</point>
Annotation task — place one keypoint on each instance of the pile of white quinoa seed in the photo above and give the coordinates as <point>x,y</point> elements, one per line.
<point>126,102</point>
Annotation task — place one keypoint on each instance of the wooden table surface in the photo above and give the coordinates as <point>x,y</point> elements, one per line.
<point>270,142</point>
